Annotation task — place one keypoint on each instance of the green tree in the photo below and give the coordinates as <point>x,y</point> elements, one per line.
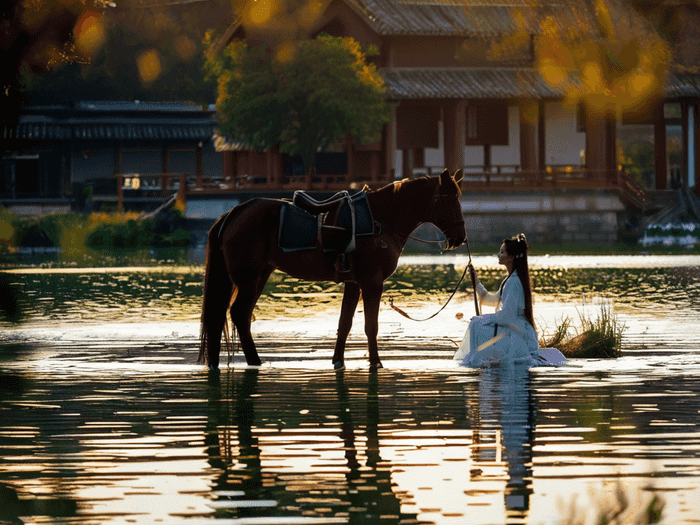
<point>304,98</point>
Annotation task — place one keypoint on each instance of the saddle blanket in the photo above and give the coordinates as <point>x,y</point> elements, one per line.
<point>299,229</point>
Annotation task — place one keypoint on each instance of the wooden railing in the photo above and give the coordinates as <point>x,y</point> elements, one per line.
<point>503,178</point>
<point>147,186</point>
<point>508,178</point>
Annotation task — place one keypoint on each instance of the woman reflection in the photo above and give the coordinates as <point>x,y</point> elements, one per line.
<point>507,336</point>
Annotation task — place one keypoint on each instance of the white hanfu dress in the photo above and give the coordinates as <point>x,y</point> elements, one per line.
<point>504,337</point>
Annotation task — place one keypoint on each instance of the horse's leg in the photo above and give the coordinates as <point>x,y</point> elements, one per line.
<point>371,296</point>
<point>351,296</point>
<point>242,313</point>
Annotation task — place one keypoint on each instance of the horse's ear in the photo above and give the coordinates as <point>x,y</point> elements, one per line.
<point>444,176</point>
<point>458,176</point>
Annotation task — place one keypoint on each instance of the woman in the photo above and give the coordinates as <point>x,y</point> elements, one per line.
<point>507,336</point>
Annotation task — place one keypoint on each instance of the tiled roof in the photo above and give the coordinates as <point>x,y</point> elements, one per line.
<point>503,83</point>
<point>682,85</point>
<point>467,18</point>
<point>114,121</point>
<point>465,82</point>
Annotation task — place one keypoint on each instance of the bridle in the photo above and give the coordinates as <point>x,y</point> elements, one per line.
<point>447,216</point>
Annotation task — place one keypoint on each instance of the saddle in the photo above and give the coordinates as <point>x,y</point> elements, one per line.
<point>329,225</point>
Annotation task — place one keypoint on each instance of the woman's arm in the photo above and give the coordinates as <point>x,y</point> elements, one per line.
<point>485,297</point>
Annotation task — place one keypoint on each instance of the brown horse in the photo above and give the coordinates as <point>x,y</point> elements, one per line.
<point>242,252</point>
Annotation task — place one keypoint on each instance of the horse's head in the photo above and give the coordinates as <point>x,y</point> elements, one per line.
<point>447,210</point>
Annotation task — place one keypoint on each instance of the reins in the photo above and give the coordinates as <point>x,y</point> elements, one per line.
<point>476,301</point>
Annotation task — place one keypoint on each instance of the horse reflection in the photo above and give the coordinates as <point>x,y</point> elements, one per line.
<point>504,423</point>
<point>244,445</point>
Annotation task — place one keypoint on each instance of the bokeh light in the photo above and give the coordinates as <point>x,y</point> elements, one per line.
<point>89,34</point>
<point>149,66</point>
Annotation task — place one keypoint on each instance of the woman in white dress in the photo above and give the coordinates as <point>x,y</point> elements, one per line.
<point>507,336</point>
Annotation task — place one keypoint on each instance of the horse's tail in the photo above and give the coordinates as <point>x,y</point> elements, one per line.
<point>218,290</point>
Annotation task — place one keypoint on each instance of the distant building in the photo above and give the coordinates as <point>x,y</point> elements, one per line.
<point>459,105</point>
<point>56,157</point>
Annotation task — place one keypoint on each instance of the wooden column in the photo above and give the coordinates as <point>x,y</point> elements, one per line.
<point>418,158</point>
<point>455,132</point>
<point>270,168</point>
<point>389,148</point>
<point>696,142</point>
<point>660,147</point>
<point>611,144</point>
<point>165,170</point>
<point>528,135</point>
<point>487,158</point>
<point>228,167</point>
<point>596,141</point>
<point>199,176</point>
<point>407,162</point>
<point>541,137</point>
<point>685,148</point>
<point>350,148</point>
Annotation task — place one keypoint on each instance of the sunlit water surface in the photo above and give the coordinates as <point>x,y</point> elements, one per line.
<point>106,417</point>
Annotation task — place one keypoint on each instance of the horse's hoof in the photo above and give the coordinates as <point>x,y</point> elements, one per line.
<point>213,368</point>
<point>339,365</point>
<point>376,365</point>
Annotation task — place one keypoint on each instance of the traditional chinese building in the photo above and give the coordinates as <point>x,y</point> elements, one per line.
<point>57,157</point>
<point>468,94</point>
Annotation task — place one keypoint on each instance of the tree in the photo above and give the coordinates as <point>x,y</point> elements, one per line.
<point>304,98</point>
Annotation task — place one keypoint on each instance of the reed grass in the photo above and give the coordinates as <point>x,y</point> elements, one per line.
<point>599,337</point>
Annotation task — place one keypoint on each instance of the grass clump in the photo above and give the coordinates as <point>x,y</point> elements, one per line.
<point>599,337</point>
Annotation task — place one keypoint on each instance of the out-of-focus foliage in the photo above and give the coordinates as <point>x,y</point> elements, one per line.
<point>139,53</point>
<point>302,97</point>
<point>604,53</point>
<point>618,65</point>
<point>73,233</point>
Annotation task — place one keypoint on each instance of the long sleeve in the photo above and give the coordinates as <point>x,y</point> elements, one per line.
<point>485,297</point>
<point>512,300</point>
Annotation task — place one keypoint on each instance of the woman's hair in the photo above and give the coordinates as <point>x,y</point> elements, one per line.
<point>518,247</point>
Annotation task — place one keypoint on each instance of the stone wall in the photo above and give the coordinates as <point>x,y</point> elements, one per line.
<point>546,217</point>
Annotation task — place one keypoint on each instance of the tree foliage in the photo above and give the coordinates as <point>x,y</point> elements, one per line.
<point>304,98</point>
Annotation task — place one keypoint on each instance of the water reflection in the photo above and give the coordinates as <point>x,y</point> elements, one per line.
<point>503,423</point>
<point>319,462</point>
<point>78,296</point>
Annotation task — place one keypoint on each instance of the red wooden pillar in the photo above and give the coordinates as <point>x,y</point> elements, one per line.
<point>182,188</point>
<point>120,192</point>
<point>455,132</point>
<point>528,136</point>
<point>228,167</point>
<point>350,148</point>
<point>418,158</point>
<point>660,161</point>
<point>407,163</point>
<point>541,140</point>
<point>389,148</point>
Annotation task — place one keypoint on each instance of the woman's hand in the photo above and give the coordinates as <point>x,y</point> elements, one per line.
<point>472,273</point>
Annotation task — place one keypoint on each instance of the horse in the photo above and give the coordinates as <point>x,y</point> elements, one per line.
<point>243,251</point>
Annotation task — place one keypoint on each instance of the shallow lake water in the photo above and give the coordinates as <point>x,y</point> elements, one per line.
<point>106,417</point>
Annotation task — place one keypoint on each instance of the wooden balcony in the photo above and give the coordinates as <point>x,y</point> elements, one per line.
<point>503,178</point>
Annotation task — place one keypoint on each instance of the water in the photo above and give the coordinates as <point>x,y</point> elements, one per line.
<point>107,419</point>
